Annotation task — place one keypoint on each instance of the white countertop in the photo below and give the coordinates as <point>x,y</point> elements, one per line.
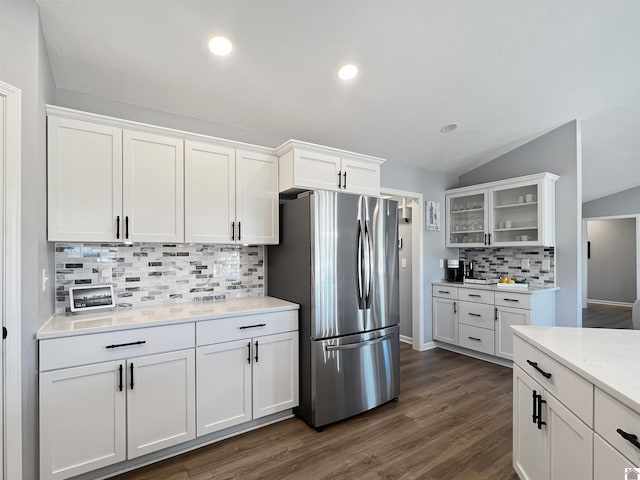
<point>531,290</point>
<point>610,359</point>
<point>65,325</point>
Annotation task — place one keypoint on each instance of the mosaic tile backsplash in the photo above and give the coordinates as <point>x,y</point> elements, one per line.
<point>507,261</point>
<point>154,274</point>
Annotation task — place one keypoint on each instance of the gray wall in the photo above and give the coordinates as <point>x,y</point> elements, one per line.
<point>432,186</point>
<point>626,202</point>
<point>612,266</point>
<point>24,64</point>
<point>406,279</point>
<point>559,152</point>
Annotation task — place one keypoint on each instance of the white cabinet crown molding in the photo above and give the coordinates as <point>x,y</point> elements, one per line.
<point>291,144</point>
<point>507,181</point>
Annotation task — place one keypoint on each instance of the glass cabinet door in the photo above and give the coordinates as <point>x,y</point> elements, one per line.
<point>467,219</point>
<point>515,216</point>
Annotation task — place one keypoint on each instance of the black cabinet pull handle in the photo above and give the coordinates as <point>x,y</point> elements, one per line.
<point>233,230</point>
<point>510,300</point>
<point>120,380</point>
<point>474,338</point>
<point>344,175</point>
<point>489,242</point>
<point>249,352</point>
<point>474,314</point>
<point>535,403</point>
<point>485,238</point>
<point>629,437</point>
<point>535,365</point>
<point>540,402</point>
<point>454,308</point>
<point>239,231</point>
<point>126,227</point>
<point>474,295</point>
<point>443,291</point>
<point>244,327</point>
<point>496,313</point>
<point>256,351</point>
<point>339,178</point>
<point>131,370</point>
<point>118,227</point>
<point>118,345</point>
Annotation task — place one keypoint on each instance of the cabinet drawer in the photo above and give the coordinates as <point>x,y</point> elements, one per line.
<point>477,314</point>
<point>476,295</point>
<point>572,390</point>
<point>445,291</point>
<point>476,338</point>
<point>611,415</point>
<point>607,461</point>
<point>247,326</point>
<point>517,300</point>
<point>101,347</point>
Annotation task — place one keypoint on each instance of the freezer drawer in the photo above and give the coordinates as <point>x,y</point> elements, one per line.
<point>353,374</point>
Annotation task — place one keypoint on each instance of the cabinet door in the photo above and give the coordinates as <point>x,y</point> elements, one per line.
<point>153,187</point>
<point>160,401</point>
<point>360,176</point>
<point>530,444</point>
<point>256,197</point>
<point>82,420</point>
<point>570,442</point>
<point>608,462</point>
<point>445,320</point>
<point>516,216</point>
<point>209,192</point>
<point>84,180</point>
<point>316,170</point>
<point>224,385</point>
<point>506,317</point>
<point>467,219</point>
<point>275,373</point>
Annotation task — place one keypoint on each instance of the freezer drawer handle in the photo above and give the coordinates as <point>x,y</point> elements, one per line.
<point>253,326</point>
<point>535,365</point>
<point>351,346</point>
<point>629,437</point>
<point>118,345</point>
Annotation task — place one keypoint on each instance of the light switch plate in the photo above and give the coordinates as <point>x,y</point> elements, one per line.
<point>546,264</point>
<point>403,263</point>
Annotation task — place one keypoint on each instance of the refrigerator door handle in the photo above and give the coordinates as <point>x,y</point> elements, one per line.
<point>351,346</point>
<point>359,266</point>
<point>369,267</point>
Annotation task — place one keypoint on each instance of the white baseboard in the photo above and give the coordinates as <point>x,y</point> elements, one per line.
<point>428,346</point>
<point>609,302</point>
<point>405,339</point>
<point>480,356</point>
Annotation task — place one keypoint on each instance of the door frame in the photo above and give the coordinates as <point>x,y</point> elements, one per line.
<point>585,268</point>
<point>417,261</point>
<point>11,231</point>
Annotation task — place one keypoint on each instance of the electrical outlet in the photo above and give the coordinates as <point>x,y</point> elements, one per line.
<point>403,263</point>
<point>441,263</point>
<point>546,264</point>
<point>45,280</point>
<point>106,273</point>
<point>525,264</point>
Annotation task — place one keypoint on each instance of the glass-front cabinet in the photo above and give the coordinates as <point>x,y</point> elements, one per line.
<point>515,212</point>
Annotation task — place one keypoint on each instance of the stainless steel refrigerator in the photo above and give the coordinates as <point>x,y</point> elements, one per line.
<point>338,259</point>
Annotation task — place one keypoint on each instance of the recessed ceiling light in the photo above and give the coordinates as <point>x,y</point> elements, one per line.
<point>220,46</point>
<point>347,72</point>
<point>449,128</point>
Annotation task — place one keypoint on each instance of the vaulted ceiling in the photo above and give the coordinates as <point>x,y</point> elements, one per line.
<point>505,71</point>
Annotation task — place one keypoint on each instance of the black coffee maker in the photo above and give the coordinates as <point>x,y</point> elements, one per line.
<point>454,270</point>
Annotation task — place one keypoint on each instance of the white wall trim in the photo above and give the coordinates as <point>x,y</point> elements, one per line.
<point>479,355</point>
<point>585,267</point>
<point>417,263</point>
<point>429,346</point>
<point>405,339</point>
<point>12,281</point>
<point>609,302</point>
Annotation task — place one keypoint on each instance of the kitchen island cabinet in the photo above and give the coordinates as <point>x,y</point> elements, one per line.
<point>576,402</point>
<point>121,385</point>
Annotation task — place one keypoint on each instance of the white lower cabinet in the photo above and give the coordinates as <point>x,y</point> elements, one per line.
<point>549,441</point>
<point>505,317</point>
<point>445,314</point>
<point>608,462</point>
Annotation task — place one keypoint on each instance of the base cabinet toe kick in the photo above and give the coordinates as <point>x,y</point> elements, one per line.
<point>117,400</point>
<point>564,426</point>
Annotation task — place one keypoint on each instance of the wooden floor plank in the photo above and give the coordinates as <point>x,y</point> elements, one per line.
<point>606,316</point>
<point>453,420</point>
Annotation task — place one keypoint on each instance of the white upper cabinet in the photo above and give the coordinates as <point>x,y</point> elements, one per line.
<point>515,212</point>
<point>84,181</point>
<point>305,166</point>
<point>153,195</point>
<point>231,196</point>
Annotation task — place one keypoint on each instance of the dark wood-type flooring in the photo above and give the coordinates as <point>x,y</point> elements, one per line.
<point>606,316</point>
<point>452,421</point>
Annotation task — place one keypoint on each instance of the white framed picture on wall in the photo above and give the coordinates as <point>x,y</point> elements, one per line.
<point>432,215</point>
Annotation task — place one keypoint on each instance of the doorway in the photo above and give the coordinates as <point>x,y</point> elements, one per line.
<point>10,280</point>
<point>410,244</point>
<point>611,271</point>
